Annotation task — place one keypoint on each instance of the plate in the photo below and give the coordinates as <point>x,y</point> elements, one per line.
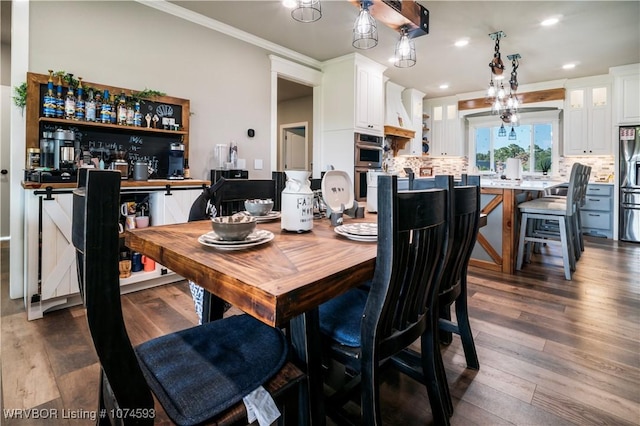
<point>211,239</point>
<point>337,190</point>
<point>363,238</point>
<point>361,229</point>
<point>266,218</point>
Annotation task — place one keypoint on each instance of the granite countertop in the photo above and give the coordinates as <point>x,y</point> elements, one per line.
<point>526,185</point>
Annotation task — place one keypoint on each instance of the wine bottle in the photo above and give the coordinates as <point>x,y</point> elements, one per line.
<point>59,99</point>
<point>80,105</point>
<point>105,110</point>
<point>49,102</point>
<point>122,110</point>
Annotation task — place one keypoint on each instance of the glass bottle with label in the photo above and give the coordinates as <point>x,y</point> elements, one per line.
<point>137,115</point>
<point>90,107</point>
<point>70,104</point>
<point>105,110</point>
<point>122,110</point>
<point>59,99</point>
<point>49,102</point>
<point>98,98</point>
<point>114,112</point>
<point>80,105</point>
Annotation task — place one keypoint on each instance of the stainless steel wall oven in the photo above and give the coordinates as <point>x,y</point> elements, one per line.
<point>368,155</point>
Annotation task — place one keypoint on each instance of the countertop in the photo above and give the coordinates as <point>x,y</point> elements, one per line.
<point>526,185</point>
<point>151,183</point>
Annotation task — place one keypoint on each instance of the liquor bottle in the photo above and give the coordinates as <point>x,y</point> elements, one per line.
<point>90,107</point>
<point>122,110</point>
<point>105,110</point>
<point>59,99</point>
<point>137,115</point>
<point>186,173</point>
<point>80,105</point>
<point>70,104</point>
<point>130,111</point>
<point>49,102</point>
<point>114,112</point>
<point>98,97</point>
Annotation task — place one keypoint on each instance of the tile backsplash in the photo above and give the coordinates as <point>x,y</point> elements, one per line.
<point>602,167</point>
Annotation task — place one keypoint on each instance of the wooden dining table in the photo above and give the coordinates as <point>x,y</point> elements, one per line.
<point>281,282</point>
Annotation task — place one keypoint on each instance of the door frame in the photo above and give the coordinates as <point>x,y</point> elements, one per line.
<point>281,143</point>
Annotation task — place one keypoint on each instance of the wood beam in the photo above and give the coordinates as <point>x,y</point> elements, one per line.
<point>396,14</point>
<point>523,98</point>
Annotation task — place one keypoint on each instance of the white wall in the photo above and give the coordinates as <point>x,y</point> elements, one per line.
<point>226,80</point>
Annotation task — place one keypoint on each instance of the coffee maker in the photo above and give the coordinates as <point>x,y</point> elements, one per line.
<point>64,152</point>
<point>176,161</point>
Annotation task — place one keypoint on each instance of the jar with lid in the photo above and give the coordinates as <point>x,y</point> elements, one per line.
<point>33,158</point>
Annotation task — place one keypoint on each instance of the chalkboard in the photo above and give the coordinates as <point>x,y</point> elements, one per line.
<point>103,143</point>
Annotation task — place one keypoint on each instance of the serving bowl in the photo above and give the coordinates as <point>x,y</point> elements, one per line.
<point>258,207</point>
<point>233,228</point>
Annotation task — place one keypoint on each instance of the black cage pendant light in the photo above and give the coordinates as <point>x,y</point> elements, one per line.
<point>307,11</point>
<point>365,31</point>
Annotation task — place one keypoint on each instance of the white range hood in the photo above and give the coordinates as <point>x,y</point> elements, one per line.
<point>395,113</point>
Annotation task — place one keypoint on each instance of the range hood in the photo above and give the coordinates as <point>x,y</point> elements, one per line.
<point>398,124</point>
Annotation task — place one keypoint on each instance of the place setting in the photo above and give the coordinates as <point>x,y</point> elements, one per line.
<point>261,210</point>
<point>235,232</point>
<point>362,231</point>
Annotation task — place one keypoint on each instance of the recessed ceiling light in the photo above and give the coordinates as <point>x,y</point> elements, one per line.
<point>462,42</point>
<point>549,21</point>
<point>444,86</point>
<point>289,3</point>
<point>568,66</point>
<point>392,59</point>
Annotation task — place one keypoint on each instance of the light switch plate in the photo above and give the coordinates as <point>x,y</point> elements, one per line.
<point>257,164</point>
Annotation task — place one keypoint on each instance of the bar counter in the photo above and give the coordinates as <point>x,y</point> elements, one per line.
<point>129,183</point>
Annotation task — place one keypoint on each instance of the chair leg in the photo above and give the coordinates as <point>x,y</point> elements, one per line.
<point>430,368</point>
<point>565,248</point>
<point>523,233</point>
<point>464,327</point>
<point>370,397</point>
<point>444,336</point>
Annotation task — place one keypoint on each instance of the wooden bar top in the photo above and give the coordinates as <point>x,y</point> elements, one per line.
<point>151,183</point>
<point>275,281</point>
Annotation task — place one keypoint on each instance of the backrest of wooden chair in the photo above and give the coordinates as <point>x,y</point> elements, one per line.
<point>96,210</point>
<point>230,194</point>
<point>575,185</point>
<point>413,237</point>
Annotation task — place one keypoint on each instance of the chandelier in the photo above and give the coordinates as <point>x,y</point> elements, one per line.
<point>506,106</point>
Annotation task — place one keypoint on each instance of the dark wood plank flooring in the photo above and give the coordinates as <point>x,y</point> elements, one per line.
<point>552,352</point>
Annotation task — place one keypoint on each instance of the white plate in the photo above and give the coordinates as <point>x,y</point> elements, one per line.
<point>337,190</point>
<point>211,239</point>
<point>363,238</point>
<point>361,229</point>
<point>267,217</point>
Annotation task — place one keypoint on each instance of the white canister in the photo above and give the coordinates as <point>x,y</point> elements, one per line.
<point>297,202</point>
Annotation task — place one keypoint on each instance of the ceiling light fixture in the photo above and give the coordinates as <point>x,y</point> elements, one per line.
<point>568,66</point>
<point>462,42</point>
<point>548,22</point>
<point>307,11</point>
<point>501,104</point>
<point>365,31</point>
<point>405,54</point>
<point>512,134</point>
<point>289,4</point>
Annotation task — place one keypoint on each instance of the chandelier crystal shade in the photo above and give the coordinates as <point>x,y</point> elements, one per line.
<point>307,11</point>
<point>405,54</point>
<point>506,106</point>
<point>365,31</point>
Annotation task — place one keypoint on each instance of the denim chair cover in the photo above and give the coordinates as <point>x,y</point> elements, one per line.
<point>198,374</point>
<point>363,329</point>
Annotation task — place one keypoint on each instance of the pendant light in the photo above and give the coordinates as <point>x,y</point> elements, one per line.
<point>405,56</point>
<point>365,31</point>
<point>512,134</point>
<point>307,11</point>
<point>502,132</point>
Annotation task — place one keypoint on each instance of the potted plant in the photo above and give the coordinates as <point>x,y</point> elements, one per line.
<point>545,165</point>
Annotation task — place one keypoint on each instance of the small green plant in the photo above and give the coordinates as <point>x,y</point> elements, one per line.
<point>545,165</point>
<point>20,97</point>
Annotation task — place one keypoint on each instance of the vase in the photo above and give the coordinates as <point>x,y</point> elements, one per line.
<point>297,202</point>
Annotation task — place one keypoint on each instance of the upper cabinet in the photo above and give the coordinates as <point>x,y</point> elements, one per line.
<point>353,95</point>
<point>626,94</point>
<point>445,128</point>
<point>587,118</point>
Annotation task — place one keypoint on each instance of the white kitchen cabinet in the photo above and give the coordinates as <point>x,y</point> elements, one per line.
<point>353,95</point>
<point>51,279</point>
<point>445,128</point>
<point>626,93</point>
<point>413,104</point>
<point>587,120</point>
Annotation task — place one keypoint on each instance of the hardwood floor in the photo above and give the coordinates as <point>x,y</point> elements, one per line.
<point>552,352</point>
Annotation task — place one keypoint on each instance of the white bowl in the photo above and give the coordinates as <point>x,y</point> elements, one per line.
<point>233,228</point>
<point>258,207</point>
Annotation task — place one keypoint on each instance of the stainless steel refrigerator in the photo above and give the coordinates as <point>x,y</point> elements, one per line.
<point>629,183</point>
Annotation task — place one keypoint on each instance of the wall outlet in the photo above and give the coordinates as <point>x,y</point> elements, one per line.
<point>257,164</point>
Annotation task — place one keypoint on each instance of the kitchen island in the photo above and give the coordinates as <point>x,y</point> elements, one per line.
<point>497,244</point>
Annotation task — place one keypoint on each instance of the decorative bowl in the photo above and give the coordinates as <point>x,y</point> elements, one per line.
<point>258,207</point>
<point>233,228</point>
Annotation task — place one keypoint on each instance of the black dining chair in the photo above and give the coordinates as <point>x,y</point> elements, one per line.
<point>199,374</point>
<point>362,329</point>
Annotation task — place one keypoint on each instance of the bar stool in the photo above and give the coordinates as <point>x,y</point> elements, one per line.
<point>563,212</point>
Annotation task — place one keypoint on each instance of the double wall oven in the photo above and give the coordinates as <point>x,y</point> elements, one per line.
<point>368,156</point>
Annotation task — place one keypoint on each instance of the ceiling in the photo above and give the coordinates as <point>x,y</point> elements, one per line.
<point>593,35</point>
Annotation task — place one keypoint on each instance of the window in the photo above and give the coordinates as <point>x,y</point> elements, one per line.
<point>534,142</point>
